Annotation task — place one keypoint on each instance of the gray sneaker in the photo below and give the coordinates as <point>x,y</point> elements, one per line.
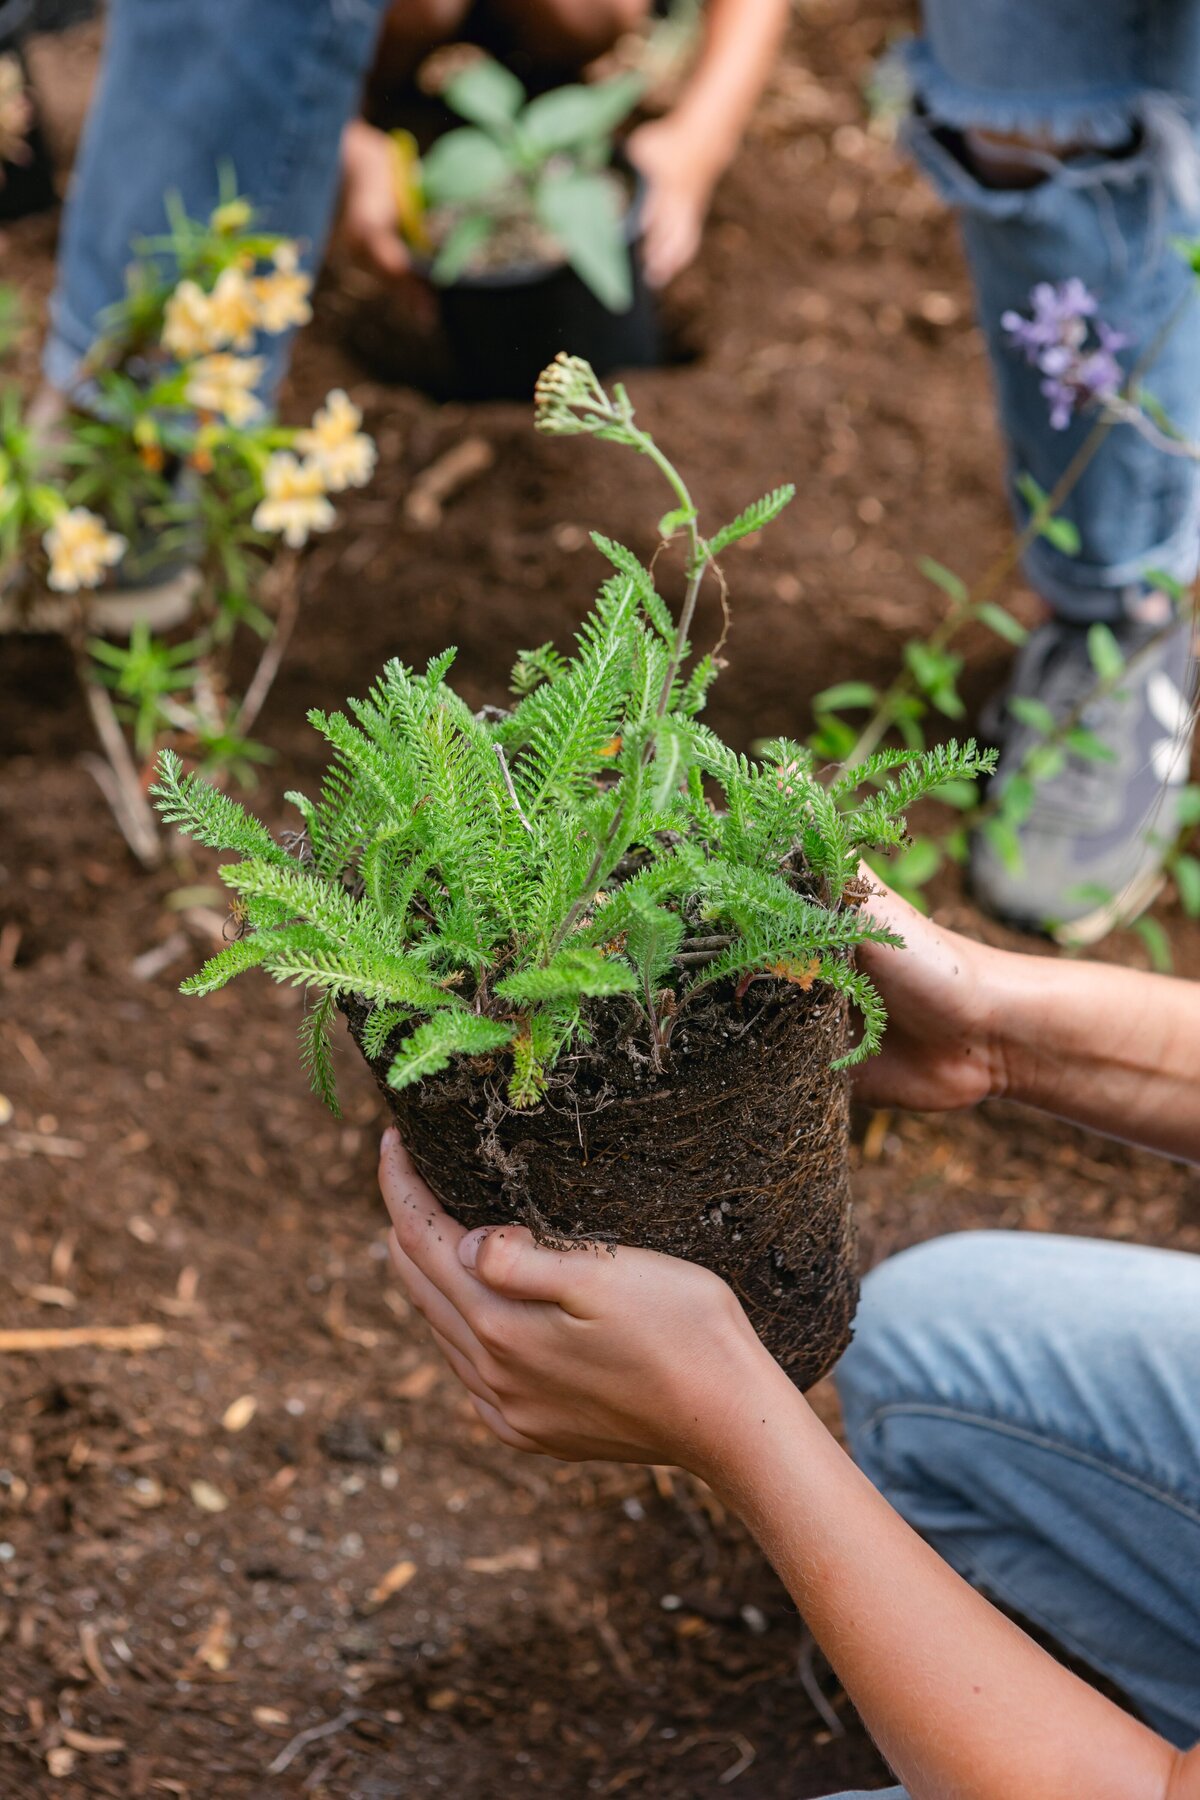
<point>1093,842</point>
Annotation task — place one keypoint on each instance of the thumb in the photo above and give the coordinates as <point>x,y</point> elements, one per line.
<point>507,1260</point>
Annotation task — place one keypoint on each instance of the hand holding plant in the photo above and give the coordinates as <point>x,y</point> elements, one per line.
<point>628,1355</point>
<point>369,195</point>
<point>679,191</point>
<point>598,961</point>
<point>940,1051</point>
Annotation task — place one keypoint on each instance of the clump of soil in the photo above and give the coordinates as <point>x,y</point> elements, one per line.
<point>733,1156</point>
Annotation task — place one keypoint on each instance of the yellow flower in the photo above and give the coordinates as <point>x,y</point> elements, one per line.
<point>188,322</point>
<point>294,501</point>
<point>80,548</point>
<point>233,309</point>
<point>282,298</point>
<point>286,256</point>
<point>224,384</point>
<point>344,454</point>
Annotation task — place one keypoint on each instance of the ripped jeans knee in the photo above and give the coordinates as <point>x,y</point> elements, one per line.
<point>1091,175</point>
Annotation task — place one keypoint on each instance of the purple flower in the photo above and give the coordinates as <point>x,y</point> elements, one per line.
<point>1075,351</point>
<point>1062,403</point>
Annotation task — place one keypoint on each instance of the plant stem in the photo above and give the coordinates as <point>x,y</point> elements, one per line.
<point>697,560</point>
<point>1124,412</point>
<point>697,564</point>
<point>116,775</point>
<point>590,883</point>
<point>884,716</point>
<point>508,782</point>
<point>285,576</point>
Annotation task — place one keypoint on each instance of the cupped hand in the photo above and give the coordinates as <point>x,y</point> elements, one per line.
<point>369,217</point>
<point>678,191</point>
<point>588,1352</point>
<point>940,1049</point>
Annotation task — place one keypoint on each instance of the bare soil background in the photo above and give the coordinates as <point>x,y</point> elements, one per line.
<point>194,1596</point>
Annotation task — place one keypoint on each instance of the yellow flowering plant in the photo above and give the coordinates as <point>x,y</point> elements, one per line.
<point>168,473</point>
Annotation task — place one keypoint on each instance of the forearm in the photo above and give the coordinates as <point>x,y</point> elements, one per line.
<point>1112,1049</point>
<point>741,38</point>
<point>963,1704</point>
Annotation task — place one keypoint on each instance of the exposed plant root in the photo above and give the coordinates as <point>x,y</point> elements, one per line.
<point>733,1156</point>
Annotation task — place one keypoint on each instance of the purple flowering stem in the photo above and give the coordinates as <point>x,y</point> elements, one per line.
<point>882,719</point>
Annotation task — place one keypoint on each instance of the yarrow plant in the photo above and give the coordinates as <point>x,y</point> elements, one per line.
<point>168,469</point>
<point>492,885</point>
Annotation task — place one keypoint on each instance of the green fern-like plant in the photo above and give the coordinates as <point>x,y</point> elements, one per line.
<point>482,884</point>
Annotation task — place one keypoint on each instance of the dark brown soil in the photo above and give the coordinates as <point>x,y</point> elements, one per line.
<point>564,1630</point>
<point>734,1155</point>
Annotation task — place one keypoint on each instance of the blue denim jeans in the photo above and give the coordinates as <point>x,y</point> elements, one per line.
<point>1120,81</point>
<point>1031,1406</point>
<point>259,87</point>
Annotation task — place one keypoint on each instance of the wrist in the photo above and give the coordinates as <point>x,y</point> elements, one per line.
<point>1009,994</point>
<point>700,152</point>
<point>734,1412</point>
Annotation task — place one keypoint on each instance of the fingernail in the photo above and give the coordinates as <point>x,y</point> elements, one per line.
<point>391,1138</point>
<point>468,1247</point>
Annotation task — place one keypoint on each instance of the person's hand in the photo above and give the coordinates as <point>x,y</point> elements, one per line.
<point>940,1049</point>
<point>369,213</point>
<point>580,1353</point>
<point>679,187</point>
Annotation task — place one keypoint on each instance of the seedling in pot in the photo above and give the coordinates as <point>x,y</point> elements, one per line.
<point>599,961</point>
<point>529,181</point>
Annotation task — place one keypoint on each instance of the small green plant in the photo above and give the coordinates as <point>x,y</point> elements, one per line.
<point>484,882</point>
<point>524,172</point>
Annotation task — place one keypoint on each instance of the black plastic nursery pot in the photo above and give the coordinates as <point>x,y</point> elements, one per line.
<point>735,1155</point>
<point>27,178</point>
<point>502,327</point>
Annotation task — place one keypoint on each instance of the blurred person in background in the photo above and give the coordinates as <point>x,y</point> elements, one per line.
<point>271,89</point>
<point>681,155</point>
<point>1065,133</point>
